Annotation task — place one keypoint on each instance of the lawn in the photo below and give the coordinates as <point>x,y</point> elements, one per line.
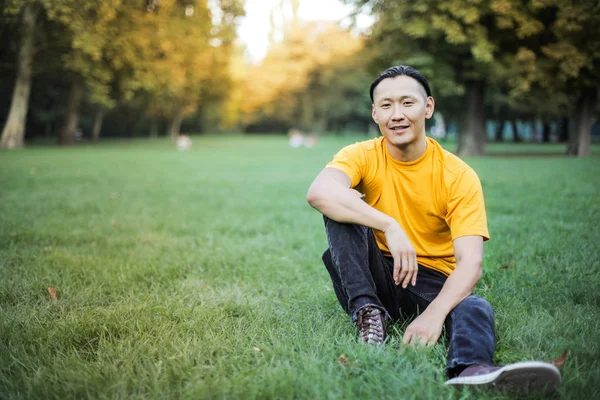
<point>198,275</point>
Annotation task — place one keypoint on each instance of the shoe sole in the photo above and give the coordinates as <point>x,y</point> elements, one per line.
<point>528,376</point>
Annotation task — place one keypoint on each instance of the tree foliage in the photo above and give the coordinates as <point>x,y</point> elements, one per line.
<point>310,80</point>
<point>520,49</point>
<point>165,59</point>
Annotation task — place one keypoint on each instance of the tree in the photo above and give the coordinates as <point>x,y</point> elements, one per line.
<point>576,56</point>
<point>478,41</point>
<point>14,129</point>
<point>90,26</point>
<point>560,63</point>
<point>173,55</point>
<point>294,84</point>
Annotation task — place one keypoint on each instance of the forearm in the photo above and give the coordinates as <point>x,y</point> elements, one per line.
<point>344,205</point>
<point>458,286</point>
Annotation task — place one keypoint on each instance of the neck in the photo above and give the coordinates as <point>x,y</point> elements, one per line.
<point>408,152</point>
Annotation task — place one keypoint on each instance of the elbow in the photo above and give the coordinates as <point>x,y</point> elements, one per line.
<point>477,266</point>
<point>478,271</point>
<point>313,196</point>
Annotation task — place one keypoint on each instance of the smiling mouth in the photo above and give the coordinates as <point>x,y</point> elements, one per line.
<point>399,127</point>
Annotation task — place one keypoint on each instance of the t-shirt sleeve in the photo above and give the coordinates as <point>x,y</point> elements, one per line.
<point>466,207</point>
<point>350,160</point>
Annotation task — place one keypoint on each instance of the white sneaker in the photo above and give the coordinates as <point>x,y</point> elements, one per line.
<point>528,376</point>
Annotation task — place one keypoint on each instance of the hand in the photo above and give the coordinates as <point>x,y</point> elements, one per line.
<point>425,329</point>
<point>404,255</point>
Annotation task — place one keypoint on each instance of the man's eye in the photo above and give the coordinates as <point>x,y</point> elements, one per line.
<point>408,103</point>
<point>385,105</point>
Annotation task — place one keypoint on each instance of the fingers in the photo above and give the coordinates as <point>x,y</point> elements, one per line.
<point>419,339</point>
<point>412,269</point>
<point>414,338</point>
<point>433,340</point>
<point>407,337</point>
<point>397,266</point>
<point>416,269</point>
<point>409,270</point>
<point>404,270</point>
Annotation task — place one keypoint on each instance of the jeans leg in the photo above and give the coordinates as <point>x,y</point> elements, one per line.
<point>472,338</point>
<point>357,269</point>
<point>335,279</point>
<point>469,326</point>
<point>415,299</point>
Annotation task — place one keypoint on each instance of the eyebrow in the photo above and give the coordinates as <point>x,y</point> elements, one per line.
<point>406,96</point>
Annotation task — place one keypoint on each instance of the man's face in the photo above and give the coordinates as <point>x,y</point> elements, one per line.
<point>400,109</point>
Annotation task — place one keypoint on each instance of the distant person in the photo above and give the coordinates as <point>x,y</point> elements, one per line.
<point>184,143</point>
<point>405,223</point>
<point>296,138</point>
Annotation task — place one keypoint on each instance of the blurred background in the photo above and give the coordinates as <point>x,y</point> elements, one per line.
<point>500,70</point>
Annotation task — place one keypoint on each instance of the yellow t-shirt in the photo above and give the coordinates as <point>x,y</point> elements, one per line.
<point>435,199</point>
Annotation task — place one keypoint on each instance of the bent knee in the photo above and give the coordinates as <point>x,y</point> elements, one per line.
<point>475,304</point>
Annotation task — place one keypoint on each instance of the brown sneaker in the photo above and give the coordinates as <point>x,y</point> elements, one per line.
<point>371,325</point>
<point>524,377</point>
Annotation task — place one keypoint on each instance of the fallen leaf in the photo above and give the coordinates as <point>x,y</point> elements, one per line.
<point>132,253</point>
<point>93,244</point>
<point>507,266</point>
<point>114,195</point>
<point>32,172</point>
<point>13,234</point>
<point>560,360</point>
<point>256,349</point>
<point>52,292</point>
<point>114,223</point>
<point>342,359</point>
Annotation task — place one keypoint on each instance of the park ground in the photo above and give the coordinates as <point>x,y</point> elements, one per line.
<point>197,275</point>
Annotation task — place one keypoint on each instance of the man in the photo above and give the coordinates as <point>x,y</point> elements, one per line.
<point>405,222</point>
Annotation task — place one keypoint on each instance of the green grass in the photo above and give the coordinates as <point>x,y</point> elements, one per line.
<point>198,275</point>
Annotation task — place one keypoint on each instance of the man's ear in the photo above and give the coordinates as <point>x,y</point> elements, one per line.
<point>373,114</point>
<point>429,107</point>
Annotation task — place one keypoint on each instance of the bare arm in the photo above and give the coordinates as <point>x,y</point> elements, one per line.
<point>330,194</point>
<point>469,257</point>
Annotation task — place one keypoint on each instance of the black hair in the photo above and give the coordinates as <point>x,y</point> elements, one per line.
<point>398,71</point>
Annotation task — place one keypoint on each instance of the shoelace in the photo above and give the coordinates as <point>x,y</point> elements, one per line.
<point>371,328</point>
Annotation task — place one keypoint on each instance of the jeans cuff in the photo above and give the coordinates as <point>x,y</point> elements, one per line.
<point>354,315</point>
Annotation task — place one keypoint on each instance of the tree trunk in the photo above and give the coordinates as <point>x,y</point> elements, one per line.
<point>471,140</point>
<point>14,129</point>
<point>308,113</point>
<point>563,135</point>
<point>535,135</point>
<point>175,125</point>
<point>499,137</point>
<point>98,124</point>
<point>69,130</point>
<point>581,137</point>
<point>515,131</point>
<point>319,125</point>
<point>153,128</point>
<point>546,131</point>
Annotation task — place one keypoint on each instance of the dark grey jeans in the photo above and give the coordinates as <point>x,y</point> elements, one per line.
<point>362,275</point>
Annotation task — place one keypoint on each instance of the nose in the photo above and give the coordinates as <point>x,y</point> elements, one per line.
<point>397,114</point>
